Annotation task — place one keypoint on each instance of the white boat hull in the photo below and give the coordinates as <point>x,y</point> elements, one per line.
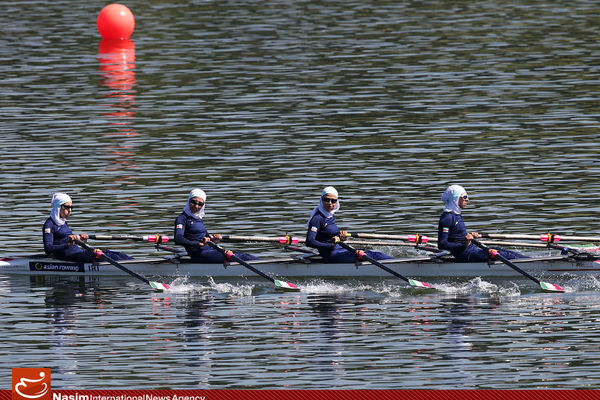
<point>40,265</point>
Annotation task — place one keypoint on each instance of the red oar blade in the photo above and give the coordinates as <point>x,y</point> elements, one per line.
<point>285,286</point>
<point>551,287</point>
<point>161,287</point>
<point>420,284</point>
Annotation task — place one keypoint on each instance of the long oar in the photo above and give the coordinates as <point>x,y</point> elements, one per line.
<point>416,238</point>
<point>156,238</point>
<point>288,240</point>
<point>362,255</point>
<point>544,237</point>
<point>230,255</point>
<point>550,287</point>
<point>98,253</point>
<point>271,239</point>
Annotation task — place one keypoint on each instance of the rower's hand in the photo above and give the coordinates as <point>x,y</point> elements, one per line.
<point>203,242</point>
<point>72,239</point>
<point>468,239</point>
<point>343,235</point>
<point>84,237</point>
<point>215,238</point>
<point>335,240</point>
<point>475,235</point>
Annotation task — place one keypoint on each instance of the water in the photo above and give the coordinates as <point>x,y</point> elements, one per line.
<point>262,105</point>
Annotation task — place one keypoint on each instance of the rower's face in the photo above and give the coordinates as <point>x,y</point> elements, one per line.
<point>196,204</point>
<point>329,201</point>
<point>66,210</point>
<point>463,200</point>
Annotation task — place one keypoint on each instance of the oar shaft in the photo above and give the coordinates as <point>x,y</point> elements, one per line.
<point>156,238</point>
<point>270,239</point>
<point>110,260</point>
<point>505,261</point>
<point>543,237</point>
<point>375,262</point>
<point>516,244</point>
<point>287,240</point>
<point>416,238</point>
<point>235,258</point>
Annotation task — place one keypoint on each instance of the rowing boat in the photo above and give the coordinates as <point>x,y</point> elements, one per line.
<point>289,267</point>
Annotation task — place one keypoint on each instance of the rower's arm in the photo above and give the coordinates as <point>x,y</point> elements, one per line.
<point>314,227</point>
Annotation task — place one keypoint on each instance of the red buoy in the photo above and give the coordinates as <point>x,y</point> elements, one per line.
<point>115,21</point>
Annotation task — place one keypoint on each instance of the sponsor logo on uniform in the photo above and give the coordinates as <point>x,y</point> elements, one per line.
<point>55,266</point>
<point>314,228</point>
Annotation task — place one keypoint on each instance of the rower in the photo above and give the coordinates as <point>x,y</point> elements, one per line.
<point>59,239</point>
<point>452,232</point>
<point>191,233</point>
<point>324,235</point>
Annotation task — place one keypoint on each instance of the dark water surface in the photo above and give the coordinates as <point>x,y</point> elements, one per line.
<point>262,104</point>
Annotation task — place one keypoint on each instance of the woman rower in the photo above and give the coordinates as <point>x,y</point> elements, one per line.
<point>323,234</point>
<point>452,232</point>
<point>59,239</point>
<point>191,233</point>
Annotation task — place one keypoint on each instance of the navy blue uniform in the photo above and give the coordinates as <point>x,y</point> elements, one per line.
<point>189,231</point>
<point>56,244</point>
<point>451,236</point>
<point>320,232</point>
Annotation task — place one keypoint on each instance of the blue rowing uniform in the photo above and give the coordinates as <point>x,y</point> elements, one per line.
<point>189,231</point>
<point>452,234</point>
<point>320,232</point>
<point>56,244</point>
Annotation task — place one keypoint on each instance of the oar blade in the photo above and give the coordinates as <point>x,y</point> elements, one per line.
<point>161,287</point>
<point>415,283</point>
<point>285,286</point>
<point>551,287</point>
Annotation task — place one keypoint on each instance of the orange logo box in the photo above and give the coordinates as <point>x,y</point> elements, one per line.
<point>31,384</point>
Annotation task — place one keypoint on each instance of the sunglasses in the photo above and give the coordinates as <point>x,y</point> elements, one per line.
<point>328,200</point>
<point>197,203</point>
<point>67,207</point>
<point>465,197</point>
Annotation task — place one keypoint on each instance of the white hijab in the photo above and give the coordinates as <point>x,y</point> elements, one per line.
<point>195,193</point>
<point>58,199</point>
<point>450,198</point>
<point>327,214</point>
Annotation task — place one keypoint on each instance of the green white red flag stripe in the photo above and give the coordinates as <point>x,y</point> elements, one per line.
<point>551,287</point>
<point>286,286</point>
<point>416,283</point>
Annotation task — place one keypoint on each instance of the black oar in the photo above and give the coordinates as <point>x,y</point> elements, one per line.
<point>362,255</point>
<point>98,253</point>
<point>230,255</point>
<point>550,287</point>
<point>156,238</point>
